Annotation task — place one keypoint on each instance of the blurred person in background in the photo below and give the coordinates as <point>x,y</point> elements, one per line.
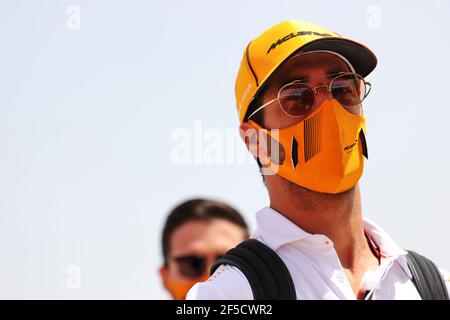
<point>195,234</point>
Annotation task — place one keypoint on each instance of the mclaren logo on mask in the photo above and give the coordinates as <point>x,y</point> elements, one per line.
<point>293,35</point>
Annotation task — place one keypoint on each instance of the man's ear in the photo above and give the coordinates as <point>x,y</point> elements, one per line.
<point>250,135</point>
<point>262,146</point>
<point>163,272</point>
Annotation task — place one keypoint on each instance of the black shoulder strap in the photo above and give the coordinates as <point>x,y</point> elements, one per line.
<point>266,273</point>
<point>426,277</point>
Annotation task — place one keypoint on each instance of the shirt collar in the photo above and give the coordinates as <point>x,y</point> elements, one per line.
<point>276,230</point>
<point>387,246</point>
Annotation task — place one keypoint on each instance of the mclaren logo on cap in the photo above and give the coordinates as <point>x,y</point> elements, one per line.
<point>293,35</point>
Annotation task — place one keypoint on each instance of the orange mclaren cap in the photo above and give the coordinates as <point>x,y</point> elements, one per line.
<point>270,49</point>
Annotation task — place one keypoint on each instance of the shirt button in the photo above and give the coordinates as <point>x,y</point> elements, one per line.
<point>340,277</point>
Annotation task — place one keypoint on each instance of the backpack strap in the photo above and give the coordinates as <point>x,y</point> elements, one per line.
<point>426,277</point>
<point>266,273</point>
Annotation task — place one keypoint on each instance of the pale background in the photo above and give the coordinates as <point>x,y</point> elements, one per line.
<point>89,107</point>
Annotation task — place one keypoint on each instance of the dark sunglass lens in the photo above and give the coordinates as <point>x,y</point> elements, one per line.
<point>191,266</point>
<point>297,99</point>
<point>348,89</point>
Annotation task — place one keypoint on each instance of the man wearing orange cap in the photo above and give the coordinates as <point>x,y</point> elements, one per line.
<point>299,92</point>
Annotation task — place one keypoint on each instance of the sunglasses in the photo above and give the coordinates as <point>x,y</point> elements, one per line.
<point>297,98</point>
<point>192,266</point>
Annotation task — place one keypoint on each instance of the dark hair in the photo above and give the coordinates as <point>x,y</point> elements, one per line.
<point>198,209</point>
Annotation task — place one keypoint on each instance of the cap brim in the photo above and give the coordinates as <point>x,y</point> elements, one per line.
<point>361,57</point>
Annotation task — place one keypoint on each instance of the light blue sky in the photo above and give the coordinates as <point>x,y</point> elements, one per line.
<point>87,118</point>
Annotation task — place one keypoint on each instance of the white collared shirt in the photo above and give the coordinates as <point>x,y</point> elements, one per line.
<point>314,266</point>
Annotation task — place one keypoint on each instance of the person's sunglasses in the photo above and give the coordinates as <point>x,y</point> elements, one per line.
<point>192,266</point>
<point>297,99</point>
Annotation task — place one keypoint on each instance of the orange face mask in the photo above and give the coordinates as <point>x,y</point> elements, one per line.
<point>179,289</point>
<point>324,152</point>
